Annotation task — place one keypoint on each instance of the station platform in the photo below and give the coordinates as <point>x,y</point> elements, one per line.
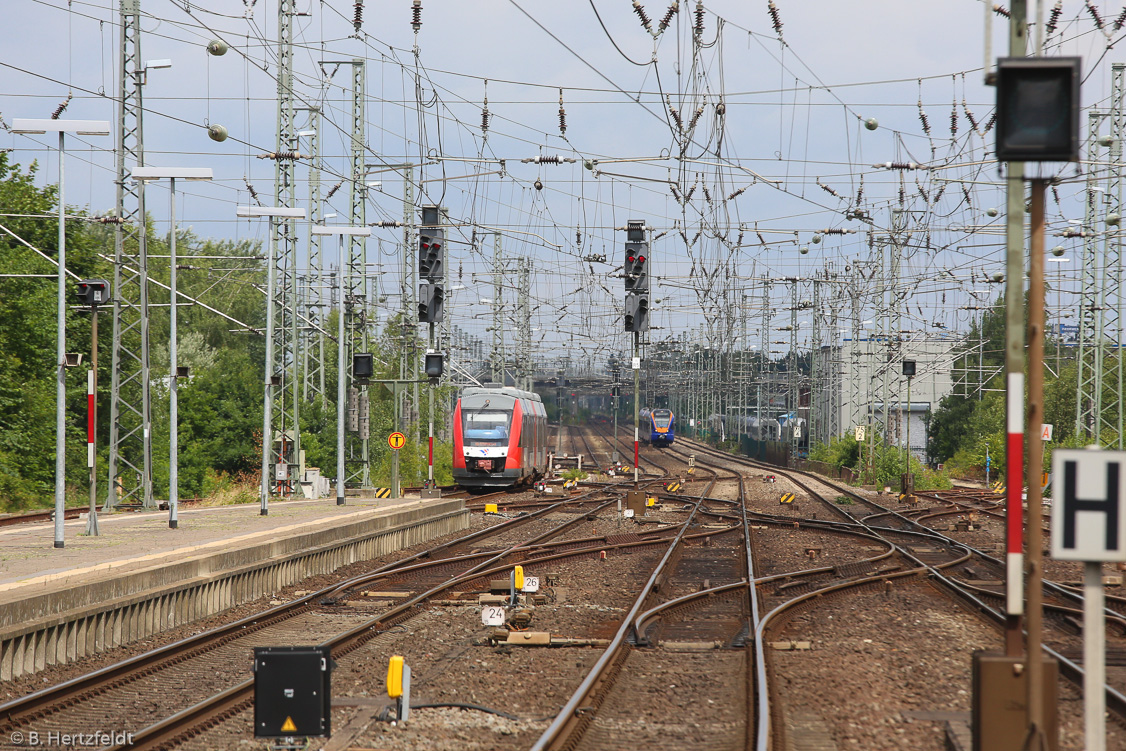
<point>139,577</point>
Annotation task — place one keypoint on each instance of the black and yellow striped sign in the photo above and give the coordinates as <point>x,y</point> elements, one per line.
<point>786,498</point>
<point>383,492</point>
<point>673,487</point>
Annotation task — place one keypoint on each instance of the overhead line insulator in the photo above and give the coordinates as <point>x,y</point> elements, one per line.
<point>59,110</point>
<point>1054,18</point>
<point>640,11</point>
<point>900,166</point>
<point>827,189</point>
<point>1095,15</point>
<point>664,24</point>
<point>283,155</point>
<point>775,17</point>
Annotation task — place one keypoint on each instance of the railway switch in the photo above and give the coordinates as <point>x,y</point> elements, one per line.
<point>520,618</point>
<point>292,693</point>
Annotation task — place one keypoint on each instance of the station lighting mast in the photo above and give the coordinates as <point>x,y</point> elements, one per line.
<point>636,273</point>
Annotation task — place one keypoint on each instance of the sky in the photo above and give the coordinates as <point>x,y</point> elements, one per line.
<point>746,148</point>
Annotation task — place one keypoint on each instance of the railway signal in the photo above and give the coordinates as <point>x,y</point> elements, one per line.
<point>432,254</point>
<point>431,267</point>
<point>1038,109</point>
<point>93,292</point>
<point>635,269</point>
<point>431,299</point>
<point>637,312</point>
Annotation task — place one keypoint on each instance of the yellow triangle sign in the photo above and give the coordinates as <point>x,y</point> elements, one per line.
<point>288,726</point>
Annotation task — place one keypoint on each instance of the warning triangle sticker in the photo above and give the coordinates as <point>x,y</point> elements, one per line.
<point>288,726</point>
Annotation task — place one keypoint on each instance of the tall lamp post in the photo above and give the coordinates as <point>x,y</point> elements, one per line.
<point>172,174</point>
<point>341,287</point>
<point>82,128</point>
<point>273,212</point>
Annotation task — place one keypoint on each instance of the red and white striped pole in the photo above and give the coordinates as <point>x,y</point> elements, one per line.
<point>1014,503</point>
<point>92,424</point>
<point>430,459</point>
<point>90,421</point>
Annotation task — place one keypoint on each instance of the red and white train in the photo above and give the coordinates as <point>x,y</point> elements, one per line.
<point>500,437</point>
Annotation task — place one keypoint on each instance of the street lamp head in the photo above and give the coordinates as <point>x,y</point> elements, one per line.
<point>275,211</point>
<point>32,126</point>
<point>173,173</point>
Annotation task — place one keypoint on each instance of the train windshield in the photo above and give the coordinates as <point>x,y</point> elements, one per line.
<point>662,418</point>
<point>485,427</point>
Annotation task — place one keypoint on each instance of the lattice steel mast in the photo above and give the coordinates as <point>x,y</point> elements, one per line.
<point>313,352</point>
<point>1088,404</point>
<point>498,324</point>
<point>280,323</point>
<point>130,441</point>
<point>357,261</point>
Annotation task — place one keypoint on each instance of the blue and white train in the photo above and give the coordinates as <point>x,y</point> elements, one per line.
<point>658,427</point>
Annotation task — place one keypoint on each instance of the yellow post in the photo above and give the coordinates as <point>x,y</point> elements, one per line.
<point>395,677</point>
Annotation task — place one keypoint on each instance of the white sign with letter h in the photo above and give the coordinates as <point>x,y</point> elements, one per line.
<point>1088,505</point>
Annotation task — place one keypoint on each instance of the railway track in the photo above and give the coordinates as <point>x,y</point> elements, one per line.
<point>720,582</point>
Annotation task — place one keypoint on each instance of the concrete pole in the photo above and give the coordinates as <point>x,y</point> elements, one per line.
<point>173,396</point>
<point>1014,369</point>
<point>60,363</point>
<point>341,384</point>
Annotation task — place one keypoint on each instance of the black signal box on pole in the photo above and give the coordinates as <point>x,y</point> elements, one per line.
<point>1038,109</point>
<point>93,292</point>
<point>363,365</point>
<point>292,694</point>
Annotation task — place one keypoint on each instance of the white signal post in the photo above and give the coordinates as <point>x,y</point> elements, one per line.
<point>1089,525</point>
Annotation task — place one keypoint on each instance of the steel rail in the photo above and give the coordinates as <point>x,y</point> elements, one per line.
<point>571,709</point>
